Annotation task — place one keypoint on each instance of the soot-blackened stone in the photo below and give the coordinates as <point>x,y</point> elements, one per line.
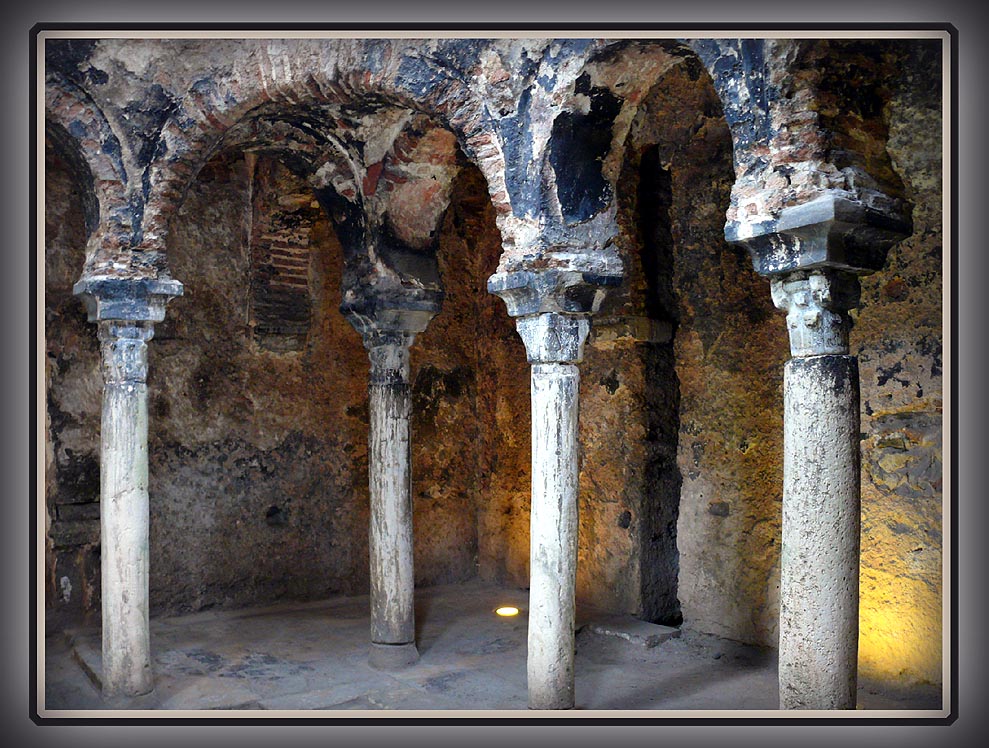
<point>579,144</point>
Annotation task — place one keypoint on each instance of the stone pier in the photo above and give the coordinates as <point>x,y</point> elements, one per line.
<point>387,335</point>
<point>814,254</point>
<point>819,572</point>
<point>125,311</point>
<point>552,313</point>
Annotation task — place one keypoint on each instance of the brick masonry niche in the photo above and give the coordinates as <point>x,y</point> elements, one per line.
<point>283,212</point>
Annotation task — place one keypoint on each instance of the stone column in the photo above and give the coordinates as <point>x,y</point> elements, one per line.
<point>819,574</point>
<point>813,253</point>
<point>387,335</point>
<point>125,311</point>
<point>554,344</point>
<point>552,311</point>
<point>124,508</point>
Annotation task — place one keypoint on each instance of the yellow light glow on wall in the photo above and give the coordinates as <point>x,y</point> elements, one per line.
<point>899,629</point>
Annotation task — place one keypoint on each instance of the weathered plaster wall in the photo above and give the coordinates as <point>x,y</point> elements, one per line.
<point>899,339</point>
<point>502,455</point>
<point>74,386</point>
<point>631,483</point>
<point>300,421</point>
<point>258,457</point>
<point>447,375</point>
<point>255,454</point>
<point>728,349</point>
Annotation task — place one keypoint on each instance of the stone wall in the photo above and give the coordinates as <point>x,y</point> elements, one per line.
<point>899,339</point>
<point>74,383</point>
<point>258,450</point>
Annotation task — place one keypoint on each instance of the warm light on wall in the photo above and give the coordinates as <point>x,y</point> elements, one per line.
<point>899,629</point>
<point>507,610</point>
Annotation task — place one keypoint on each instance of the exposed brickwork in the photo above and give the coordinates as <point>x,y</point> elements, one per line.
<point>791,144</point>
<point>281,227</point>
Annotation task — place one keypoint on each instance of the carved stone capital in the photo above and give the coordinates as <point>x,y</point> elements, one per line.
<point>817,304</point>
<point>135,299</point>
<point>552,308</point>
<point>553,338</point>
<point>124,351</point>
<point>530,292</point>
<point>388,327</point>
<point>831,231</point>
<point>389,355</point>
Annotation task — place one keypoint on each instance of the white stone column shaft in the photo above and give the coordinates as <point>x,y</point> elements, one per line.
<point>552,310</point>
<point>819,569</point>
<point>819,575</point>
<point>554,343</point>
<point>390,534</point>
<point>124,509</point>
<point>553,536</point>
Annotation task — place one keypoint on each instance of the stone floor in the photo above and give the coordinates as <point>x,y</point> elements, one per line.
<point>313,656</point>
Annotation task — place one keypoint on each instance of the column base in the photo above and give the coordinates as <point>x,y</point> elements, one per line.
<point>125,691</point>
<point>392,656</point>
<point>554,706</point>
<point>118,694</point>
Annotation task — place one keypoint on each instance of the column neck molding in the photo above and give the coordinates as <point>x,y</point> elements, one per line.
<point>816,303</point>
<point>552,309</point>
<point>125,351</point>
<point>389,356</point>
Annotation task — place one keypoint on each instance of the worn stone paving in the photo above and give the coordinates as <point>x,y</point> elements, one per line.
<point>295,658</point>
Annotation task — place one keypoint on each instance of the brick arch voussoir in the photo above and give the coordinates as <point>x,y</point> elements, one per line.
<point>194,133</point>
<point>82,133</point>
<point>775,95</point>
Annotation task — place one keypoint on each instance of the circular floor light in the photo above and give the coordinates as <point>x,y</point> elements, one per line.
<point>507,610</point>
